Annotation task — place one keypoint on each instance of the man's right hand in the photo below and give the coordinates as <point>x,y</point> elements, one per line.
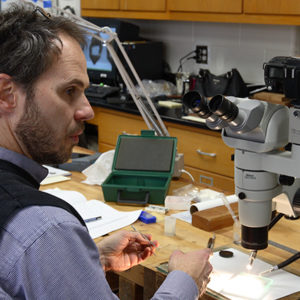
<point>195,263</point>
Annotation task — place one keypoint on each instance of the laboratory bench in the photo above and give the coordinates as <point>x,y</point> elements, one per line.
<point>206,157</point>
<point>141,281</point>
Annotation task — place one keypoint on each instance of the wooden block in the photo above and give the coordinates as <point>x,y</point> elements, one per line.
<point>275,98</point>
<point>214,218</point>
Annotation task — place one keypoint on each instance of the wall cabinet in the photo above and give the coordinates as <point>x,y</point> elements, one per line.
<point>232,11</point>
<point>138,5</point>
<point>219,6</point>
<point>272,7</point>
<point>125,5</point>
<point>103,4</point>
<point>206,157</point>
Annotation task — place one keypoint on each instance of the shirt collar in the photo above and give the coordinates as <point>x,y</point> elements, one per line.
<point>37,171</point>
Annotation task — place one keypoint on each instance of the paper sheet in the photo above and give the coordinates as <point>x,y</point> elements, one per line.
<point>54,179</point>
<point>56,172</point>
<point>184,216</point>
<point>55,175</point>
<point>227,270</point>
<point>111,219</point>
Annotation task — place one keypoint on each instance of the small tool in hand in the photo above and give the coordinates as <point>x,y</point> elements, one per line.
<point>211,242</point>
<point>144,236</point>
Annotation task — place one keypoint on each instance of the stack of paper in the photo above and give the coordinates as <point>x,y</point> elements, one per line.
<point>106,218</point>
<point>55,175</point>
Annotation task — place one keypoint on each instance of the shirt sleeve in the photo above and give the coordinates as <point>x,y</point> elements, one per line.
<point>178,285</point>
<point>63,263</point>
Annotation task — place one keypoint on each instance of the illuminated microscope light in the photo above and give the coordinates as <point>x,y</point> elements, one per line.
<point>251,260</point>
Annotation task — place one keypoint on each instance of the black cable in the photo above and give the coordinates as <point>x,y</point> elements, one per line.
<point>275,220</point>
<point>289,260</point>
<point>182,58</point>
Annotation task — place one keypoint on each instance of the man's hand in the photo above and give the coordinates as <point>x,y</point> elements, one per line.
<point>195,264</point>
<point>124,250</point>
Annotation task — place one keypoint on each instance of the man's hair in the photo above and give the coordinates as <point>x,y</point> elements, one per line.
<point>29,42</point>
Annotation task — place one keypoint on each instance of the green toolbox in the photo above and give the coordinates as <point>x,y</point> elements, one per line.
<point>142,169</point>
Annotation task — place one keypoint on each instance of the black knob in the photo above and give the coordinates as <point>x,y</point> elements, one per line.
<point>286,180</point>
<point>232,157</point>
<point>242,195</point>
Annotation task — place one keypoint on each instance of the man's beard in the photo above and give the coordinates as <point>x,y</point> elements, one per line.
<point>39,139</point>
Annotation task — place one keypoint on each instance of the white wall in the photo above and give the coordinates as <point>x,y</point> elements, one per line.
<point>242,46</point>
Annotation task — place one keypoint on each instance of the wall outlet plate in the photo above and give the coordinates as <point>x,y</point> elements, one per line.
<point>201,54</point>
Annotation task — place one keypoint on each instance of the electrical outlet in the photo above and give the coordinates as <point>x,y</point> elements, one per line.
<point>201,55</point>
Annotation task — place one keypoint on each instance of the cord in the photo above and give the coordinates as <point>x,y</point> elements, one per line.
<point>289,260</point>
<point>282,264</point>
<point>182,58</point>
<point>189,174</point>
<point>275,220</point>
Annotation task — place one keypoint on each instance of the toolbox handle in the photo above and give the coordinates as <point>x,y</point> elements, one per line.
<point>129,201</point>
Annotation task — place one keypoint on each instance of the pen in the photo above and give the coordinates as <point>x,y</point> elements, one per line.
<point>211,242</point>
<point>144,236</point>
<point>92,219</point>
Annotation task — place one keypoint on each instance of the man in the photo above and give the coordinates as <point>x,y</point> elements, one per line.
<point>45,249</point>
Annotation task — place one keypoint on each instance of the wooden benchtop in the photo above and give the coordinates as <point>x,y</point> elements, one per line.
<point>188,237</point>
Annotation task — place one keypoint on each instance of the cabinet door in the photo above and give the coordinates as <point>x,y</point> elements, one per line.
<point>211,180</point>
<point>216,6</point>
<point>103,4</point>
<point>273,7</point>
<point>138,5</point>
<point>204,151</point>
<point>112,124</point>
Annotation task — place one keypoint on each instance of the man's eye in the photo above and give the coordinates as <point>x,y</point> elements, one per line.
<point>70,91</point>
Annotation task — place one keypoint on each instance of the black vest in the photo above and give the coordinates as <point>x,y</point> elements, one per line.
<point>18,189</point>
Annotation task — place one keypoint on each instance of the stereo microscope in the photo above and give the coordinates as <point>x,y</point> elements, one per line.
<point>258,131</point>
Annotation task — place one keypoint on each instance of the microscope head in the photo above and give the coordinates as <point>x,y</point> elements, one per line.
<point>252,125</point>
<point>254,128</point>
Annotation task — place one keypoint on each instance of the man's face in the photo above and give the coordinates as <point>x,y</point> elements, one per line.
<point>54,115</point>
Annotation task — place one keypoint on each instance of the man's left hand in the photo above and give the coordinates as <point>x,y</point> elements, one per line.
<point>124,250</point>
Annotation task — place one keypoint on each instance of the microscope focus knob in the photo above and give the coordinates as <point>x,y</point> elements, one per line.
<point>242,195</point>
<point>286,180</point>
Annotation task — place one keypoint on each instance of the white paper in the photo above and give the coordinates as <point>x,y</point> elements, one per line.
<point>184,216</point>
<point>224,270</point>
<point>56,172</point>
<point>54,179</point>
<point>111,219</point>
<point>100,169</point>
<point>72,197</point>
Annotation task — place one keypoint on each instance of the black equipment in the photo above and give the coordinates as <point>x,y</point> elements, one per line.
<point>282,75</point>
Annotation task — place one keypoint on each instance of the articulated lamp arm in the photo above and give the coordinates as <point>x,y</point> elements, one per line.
<point>151,117</point>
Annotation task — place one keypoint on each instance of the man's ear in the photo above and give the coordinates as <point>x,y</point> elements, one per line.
<point>7,95</point>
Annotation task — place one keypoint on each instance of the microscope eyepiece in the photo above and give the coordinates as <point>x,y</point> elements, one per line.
<point>197,104</point>
<point>223,108</point>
